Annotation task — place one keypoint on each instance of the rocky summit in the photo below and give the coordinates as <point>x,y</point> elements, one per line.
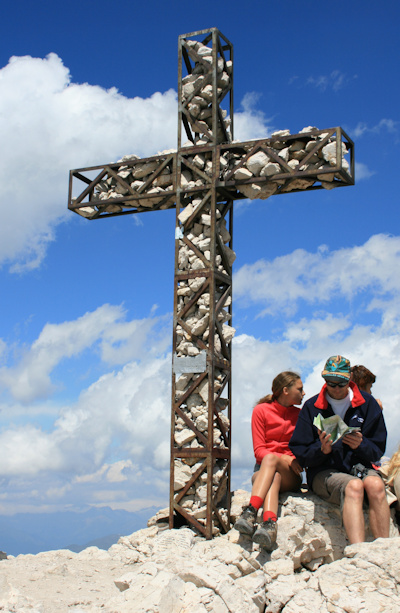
<point>176,571</point>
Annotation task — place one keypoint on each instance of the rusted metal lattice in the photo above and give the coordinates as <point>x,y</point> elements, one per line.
<point>202,179</point>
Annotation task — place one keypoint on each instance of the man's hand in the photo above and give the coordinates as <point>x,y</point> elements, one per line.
<point>326,442</point>
<point>353,440</point>
<point>295,466</point>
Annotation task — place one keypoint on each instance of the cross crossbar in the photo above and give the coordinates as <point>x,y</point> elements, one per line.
<point>102,198</point>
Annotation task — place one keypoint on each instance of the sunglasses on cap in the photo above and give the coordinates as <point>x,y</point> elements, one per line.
<point>330,384</point>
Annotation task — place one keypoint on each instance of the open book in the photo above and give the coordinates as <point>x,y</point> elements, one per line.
<point>334,426</point>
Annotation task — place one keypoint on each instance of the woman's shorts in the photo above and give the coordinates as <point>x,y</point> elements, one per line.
<point>330,484</point>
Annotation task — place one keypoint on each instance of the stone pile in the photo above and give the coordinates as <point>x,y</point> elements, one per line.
<point>197,94</point>
<point>176,571</point>
<point>194,255</point>
<point>196,333</point>
<point>280,157</point>
<point>149,183</point>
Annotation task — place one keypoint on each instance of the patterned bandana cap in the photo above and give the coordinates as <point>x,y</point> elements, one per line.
<point>337,367</point>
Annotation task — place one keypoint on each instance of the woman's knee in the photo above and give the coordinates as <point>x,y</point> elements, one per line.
<point>270,460</point>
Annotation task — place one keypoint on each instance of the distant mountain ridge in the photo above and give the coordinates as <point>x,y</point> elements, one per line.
<point>35,532</point>
<point>104,542</point>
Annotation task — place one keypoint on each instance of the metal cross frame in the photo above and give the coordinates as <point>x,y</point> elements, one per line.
<point>202,179</point>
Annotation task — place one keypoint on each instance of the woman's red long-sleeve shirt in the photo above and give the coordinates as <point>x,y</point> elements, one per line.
<point>272,426</point>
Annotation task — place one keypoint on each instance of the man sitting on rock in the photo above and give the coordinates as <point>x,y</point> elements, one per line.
<point>342,473</point>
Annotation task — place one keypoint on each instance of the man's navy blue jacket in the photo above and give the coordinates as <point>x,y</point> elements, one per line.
<point>364,412</point>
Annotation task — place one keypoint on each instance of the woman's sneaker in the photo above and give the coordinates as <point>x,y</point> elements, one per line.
<point>265,535</point>
<point>246,522</point>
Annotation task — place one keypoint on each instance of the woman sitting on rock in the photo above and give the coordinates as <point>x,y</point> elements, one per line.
<point>276,470</point>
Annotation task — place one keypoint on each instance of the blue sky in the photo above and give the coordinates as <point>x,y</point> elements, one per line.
<point>86,307</point>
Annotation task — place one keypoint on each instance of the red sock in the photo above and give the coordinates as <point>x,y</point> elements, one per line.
<point>256,502</point>
<point>269,515</point>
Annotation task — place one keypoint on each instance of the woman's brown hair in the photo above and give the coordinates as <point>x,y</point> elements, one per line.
<point>284,379</point>
<point>362,376</point>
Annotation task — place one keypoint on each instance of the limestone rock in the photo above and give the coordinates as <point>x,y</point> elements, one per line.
<point>256,162</point>
<point>243,173</point>
<point>182,474</point>
<point>184,436</point>
<point>176,571</point>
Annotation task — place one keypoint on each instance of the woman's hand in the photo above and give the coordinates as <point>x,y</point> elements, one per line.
<point>353,440</point>
<point>326,442</point>
<point>296,467</point>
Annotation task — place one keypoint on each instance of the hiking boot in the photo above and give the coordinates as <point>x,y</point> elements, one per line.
<point>265,535</point>
<point>246,522</point>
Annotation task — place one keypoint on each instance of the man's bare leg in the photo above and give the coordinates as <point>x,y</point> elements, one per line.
<point>379,512</point>
<point>353,516</point>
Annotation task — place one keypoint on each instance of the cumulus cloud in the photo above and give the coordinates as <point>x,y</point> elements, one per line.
<point>249,122</point>
<point>318,277</point>
<point>122,410</point>
<point>50,125</point>
<point>119,341</point>
<point>113,473</point>
<point>112,444</point>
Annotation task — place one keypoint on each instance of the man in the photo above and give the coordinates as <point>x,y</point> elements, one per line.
<point>342,473</point>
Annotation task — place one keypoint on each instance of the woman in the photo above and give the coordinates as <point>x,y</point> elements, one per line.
<point>276,469</point>
<point>364,379</point>
<point>390,472</point>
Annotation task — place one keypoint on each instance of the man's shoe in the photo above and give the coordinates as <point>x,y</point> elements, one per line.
<point>246,522</point>
<point>265,535</point>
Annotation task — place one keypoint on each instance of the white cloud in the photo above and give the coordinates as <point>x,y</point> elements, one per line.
<point>318,277</point>
<point>362,171</point>
<point>28,450</point>
<point>117,432</point>
<point>125,341</point>
<point>120,341</point>
<point>113,473</point>
<point>250,123</point>
<point>50,125</point>
<point>384,125</point>
<point>336,80</point>
<point>122,408</point>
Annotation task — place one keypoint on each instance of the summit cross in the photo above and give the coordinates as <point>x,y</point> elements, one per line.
<point>202,179</point>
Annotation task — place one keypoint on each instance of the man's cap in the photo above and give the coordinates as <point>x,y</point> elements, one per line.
<point>337,367</point>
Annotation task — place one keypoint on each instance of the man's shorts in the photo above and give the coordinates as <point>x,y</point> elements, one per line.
<point>330,484</point>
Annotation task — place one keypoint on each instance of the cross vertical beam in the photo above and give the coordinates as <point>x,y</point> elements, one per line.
<point>201,395</point>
